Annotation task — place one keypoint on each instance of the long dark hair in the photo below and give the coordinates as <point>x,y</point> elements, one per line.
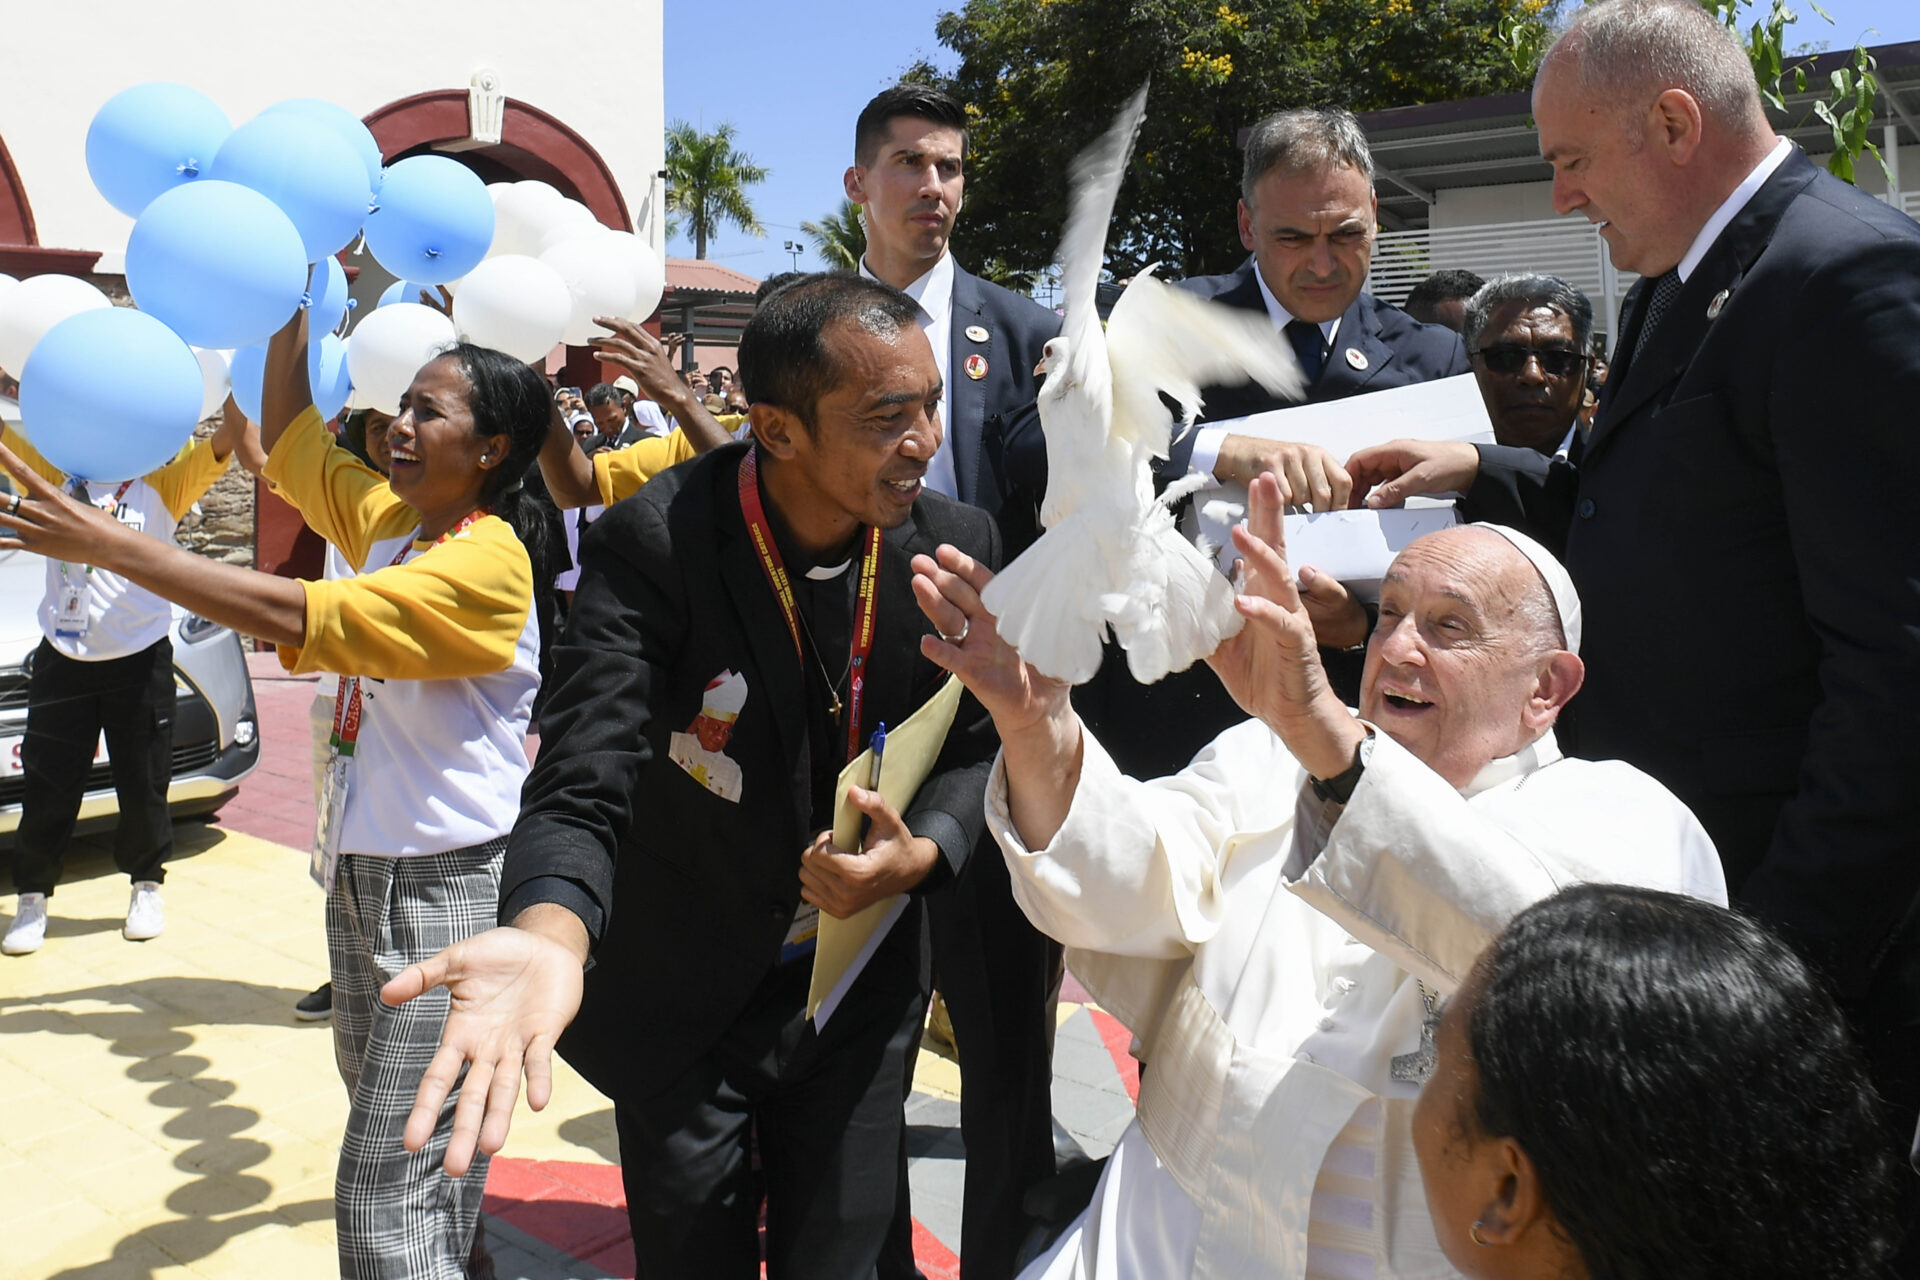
<point>510,399</point>
<point>1686,1089</point>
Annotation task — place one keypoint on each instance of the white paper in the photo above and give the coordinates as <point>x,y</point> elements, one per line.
<point>1446,409</point>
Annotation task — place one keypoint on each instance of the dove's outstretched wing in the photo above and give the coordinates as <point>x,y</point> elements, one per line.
<point>1160,338</point>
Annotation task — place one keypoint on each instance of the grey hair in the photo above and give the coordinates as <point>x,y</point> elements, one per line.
<point>1534,291</point>
<point>1304,138</point>
<point>1620,49</point>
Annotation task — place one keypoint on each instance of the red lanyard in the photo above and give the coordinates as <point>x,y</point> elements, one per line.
<point>776,573</point>
<point>346,705</point>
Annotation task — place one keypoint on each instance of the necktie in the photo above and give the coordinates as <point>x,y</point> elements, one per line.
<point>1310,346</point>
<point>1664,291</point>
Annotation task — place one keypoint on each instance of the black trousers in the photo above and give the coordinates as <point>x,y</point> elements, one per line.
<point>69,705</point>
<point>997,974</point>
<point>823,1110</point>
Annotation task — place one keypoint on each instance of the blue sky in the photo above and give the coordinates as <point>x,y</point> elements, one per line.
<point>792,77</point>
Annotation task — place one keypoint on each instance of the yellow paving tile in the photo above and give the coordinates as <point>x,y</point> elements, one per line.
<point>271,1250</point>
<point>59,1236</point>
<point>51,1113</point>
<point>98,1141</point>
<point>131,1258</point>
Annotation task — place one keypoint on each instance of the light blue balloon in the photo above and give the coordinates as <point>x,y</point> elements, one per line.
<point>328,290</point>
<point>307,169</point>
<point>432,220</point>
<point>341,121</point>
<point>327,375</point>
<point>217,262</point>
<point>406,291</point>
<point>150,139</point>
<point>248,371</point>
<point>110,394</point>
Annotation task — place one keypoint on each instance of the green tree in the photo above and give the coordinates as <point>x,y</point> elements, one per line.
<point>1041,77</point>
<point>840,237</point>
<point>707,181</point>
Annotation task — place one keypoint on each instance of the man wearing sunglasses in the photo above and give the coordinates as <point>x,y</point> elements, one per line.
<point>1528,337</point>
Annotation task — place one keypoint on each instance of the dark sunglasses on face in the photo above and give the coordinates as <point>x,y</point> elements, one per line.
<point>1509,358</point>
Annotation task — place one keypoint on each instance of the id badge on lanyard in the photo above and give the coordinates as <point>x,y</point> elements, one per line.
<point>347,713</point>
<point>72,606</point>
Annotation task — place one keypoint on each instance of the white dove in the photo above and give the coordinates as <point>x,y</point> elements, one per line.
<point>1111,555</point>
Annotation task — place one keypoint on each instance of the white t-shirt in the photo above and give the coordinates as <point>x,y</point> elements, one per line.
<point>122,618</point>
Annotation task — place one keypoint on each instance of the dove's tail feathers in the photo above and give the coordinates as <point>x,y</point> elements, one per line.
<point>1189,617</point>
<point>1047,603</point>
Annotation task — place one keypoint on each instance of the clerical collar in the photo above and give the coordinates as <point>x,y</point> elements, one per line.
<point>1538,754</point>
<point>828,572</point>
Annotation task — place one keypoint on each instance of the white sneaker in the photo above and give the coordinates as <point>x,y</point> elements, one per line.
<point>144,918</point>
<point>29,927</point>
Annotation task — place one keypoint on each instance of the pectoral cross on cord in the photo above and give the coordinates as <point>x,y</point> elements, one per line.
<point>1415,1067</point>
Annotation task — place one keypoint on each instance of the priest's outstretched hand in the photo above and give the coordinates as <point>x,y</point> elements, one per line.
<point>1039,732</point>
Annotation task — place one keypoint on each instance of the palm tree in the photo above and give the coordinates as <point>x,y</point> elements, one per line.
<point>840,237</point>
<point>707,180</point>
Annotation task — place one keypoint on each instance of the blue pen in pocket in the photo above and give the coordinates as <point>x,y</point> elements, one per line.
<point>878,745</point>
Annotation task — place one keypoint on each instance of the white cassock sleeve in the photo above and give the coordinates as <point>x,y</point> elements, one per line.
<point>1141,869</point>
<point>1428,877</point>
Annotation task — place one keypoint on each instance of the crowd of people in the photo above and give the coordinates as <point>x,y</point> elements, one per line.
<point>1550,914</point>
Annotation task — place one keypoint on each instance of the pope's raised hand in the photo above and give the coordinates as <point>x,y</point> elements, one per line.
<point>1272,667</point>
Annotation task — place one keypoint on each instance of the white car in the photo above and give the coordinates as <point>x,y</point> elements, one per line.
<point>216,733</point>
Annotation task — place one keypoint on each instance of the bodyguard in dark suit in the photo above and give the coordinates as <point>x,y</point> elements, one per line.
<point>994,969</point>
<point>1740,525</point>
<point>1308,214</point>
<point>712,683</point>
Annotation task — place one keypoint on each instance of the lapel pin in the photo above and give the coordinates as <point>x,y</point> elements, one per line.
<point>1719,301</point>
<point>976,334</point>
<point>1356,358</point>
<point>976,367</point>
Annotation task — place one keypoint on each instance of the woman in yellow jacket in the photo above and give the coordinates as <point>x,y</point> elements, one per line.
<point>439,641</point>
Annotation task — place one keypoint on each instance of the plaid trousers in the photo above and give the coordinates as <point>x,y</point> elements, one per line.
<point>397,1215</point>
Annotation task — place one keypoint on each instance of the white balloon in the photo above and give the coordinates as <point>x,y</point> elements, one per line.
<point>520,216</point>
<point>599,280</point>
<point>214,377</point>
<point>35,305</point>
<point>573,221</point>
<point>649,273</point>
<point>515,304</point>
<point>7,283</point>
<point>389,345</point>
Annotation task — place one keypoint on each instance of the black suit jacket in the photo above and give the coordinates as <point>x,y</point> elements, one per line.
<point>1377,346</point>
<point>999,454</point>
<point>1740,528</point>
<point>689,895</point>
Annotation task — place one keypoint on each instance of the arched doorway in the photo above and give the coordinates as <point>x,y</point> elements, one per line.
<point>533,144</point>
<point>21,253</point>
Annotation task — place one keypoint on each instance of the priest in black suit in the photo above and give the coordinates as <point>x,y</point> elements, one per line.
<point>741,627</point>
<point>1308,214</point>
<point>993,968</point>
<point>1740,524</point>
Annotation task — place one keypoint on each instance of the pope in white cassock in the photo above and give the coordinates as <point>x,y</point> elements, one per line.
<point>1278,923</point>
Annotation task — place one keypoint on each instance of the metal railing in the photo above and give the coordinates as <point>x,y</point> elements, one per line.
<point>1570,248</point>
